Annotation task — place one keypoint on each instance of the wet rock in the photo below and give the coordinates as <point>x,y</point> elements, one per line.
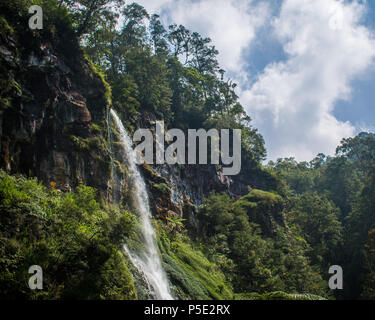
<point>46,132</point>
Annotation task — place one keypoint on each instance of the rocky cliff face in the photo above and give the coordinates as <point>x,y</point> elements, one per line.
<point>54,125</point>
<point>180,190</point>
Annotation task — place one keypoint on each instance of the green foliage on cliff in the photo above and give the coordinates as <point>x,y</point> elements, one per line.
<point>146,77</point>
<point>57,22</point>
<point>162,188</point>
<point>259,203</point>
<point>259,246</point>
<point>73,237</point>
<point>192,275</point>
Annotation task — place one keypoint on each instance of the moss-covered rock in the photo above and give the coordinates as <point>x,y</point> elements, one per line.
<point>53,102</point>
<point>191,274</point>
<point>161,188</point>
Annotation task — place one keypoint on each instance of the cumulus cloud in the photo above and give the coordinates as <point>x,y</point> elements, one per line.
<point>292,102</point>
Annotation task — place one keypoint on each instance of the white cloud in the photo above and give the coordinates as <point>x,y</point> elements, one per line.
<point>154,6</point>
<point>292,102</point>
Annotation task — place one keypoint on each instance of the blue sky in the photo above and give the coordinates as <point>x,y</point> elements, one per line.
<point>305,68</point>
<point>360,109</point>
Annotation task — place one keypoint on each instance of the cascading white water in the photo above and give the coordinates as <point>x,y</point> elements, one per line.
<point>148,261</point>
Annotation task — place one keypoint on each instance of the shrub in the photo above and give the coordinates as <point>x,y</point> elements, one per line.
<point>73,237</point>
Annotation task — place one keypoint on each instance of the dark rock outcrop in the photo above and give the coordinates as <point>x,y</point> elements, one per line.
<point>46,131</point>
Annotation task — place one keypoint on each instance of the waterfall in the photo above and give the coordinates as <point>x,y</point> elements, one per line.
<point>108,116</point>
<point>109,133</point>
<point>148,261</point>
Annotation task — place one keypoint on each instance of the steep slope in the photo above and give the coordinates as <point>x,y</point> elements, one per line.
<point>55,125</point>
<point>52,119</point>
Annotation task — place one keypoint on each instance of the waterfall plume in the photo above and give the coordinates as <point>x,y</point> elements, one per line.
<point>148,260</point>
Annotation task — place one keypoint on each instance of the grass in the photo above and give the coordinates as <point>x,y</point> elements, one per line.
<point>192,275</point>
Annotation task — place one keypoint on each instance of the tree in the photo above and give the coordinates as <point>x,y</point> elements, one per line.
<point>133,31</point>
<point>300,177</point>
<point>256,263</point>
<point>368,281</point>
<point>203,56</point>
<point>342,182</point>
<point>102,45</point>
<point>360,150</point>
<point>179,38</point>
<point>316,219</point>
<point>88,14</point>
<point>158,36</point>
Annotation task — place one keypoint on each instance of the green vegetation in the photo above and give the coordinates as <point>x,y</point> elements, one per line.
<point>256,263</point>
<point>192,275</point>
<point>276,242</point>
<point>331,205</point>
<point>73,237</point>
<point>162,188</point>
<point>277,296</point>
<point>146,77</point>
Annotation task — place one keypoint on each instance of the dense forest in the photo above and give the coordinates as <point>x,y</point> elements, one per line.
<point>272,232</point>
